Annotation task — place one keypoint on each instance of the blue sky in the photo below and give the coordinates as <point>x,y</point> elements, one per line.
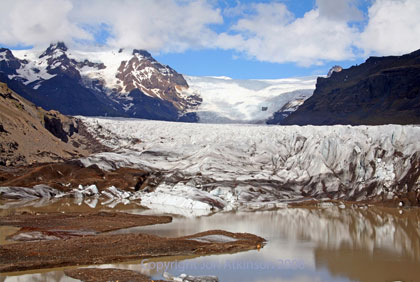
<point>227,63</point>
<point>239,39</point>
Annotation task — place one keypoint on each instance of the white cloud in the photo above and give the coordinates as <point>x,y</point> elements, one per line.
<point>325,33</point>
<point>36,22</point>
<point>156,25</point>
<point>265,31</point>
<point>393,28</point>
<point>273,34</point>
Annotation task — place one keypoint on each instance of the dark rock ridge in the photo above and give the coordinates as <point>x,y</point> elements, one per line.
<point>147,89</point>
<point>383,90</point>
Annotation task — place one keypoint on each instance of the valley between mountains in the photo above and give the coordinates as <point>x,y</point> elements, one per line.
<point>116,138</point>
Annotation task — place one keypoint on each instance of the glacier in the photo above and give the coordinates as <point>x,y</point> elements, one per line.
<point>227,100</point>
<point>213,167</point>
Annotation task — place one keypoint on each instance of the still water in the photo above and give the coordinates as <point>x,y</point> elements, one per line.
<point>303,244</point>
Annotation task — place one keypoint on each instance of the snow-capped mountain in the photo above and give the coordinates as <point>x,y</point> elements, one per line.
<point>124,83</point>
<point>131,83</point>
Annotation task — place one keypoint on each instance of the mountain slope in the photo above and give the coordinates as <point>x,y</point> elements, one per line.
<point>29,134</point>
<point>128,84</point>
<point>382,90</point>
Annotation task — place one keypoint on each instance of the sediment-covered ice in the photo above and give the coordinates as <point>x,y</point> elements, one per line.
<point>254,166</point>
<point>36,192</point>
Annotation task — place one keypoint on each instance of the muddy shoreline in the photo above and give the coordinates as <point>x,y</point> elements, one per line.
<point>100,248</point>
<point>99,222</point>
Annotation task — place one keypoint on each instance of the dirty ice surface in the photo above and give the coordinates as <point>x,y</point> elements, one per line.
<point>212,167</point>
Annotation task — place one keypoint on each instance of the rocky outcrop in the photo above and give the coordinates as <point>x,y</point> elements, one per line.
<point>29,134</point>
<point>383,90</point>
<point>58,128</point>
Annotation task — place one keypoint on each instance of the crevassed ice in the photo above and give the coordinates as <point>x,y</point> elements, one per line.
<point>252,166</point>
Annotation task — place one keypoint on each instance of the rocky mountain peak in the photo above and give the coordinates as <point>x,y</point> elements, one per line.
<point>6,54</point>
<point>153,79</point>
<point>56,50</point>
<point>142,53</point>
<point>9,63</point>
<point>59,45</point>
<point>143,72</point>
<point>59,63</point>
<point>334,69</point>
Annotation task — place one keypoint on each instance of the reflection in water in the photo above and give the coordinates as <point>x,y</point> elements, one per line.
<point>65,204</point>
<point>370,229</point>
<point>383,246</point>
<point>304,244</point>
<point>362,265</point>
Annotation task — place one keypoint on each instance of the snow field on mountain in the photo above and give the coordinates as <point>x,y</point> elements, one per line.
<point>35,70</point>
<point>111,59</point>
